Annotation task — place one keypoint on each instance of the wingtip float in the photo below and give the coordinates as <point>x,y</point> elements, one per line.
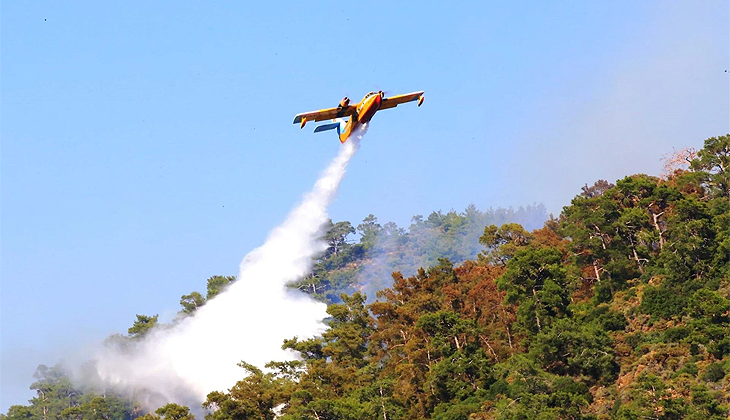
<point>359,114</point>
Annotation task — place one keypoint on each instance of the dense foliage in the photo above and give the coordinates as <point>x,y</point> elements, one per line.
<point>619,308</point>
<point>367,266</point>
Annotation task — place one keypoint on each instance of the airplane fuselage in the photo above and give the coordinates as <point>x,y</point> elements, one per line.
<point>366,109</point>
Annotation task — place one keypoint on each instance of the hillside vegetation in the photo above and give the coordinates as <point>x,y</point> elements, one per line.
<point>618,308</point>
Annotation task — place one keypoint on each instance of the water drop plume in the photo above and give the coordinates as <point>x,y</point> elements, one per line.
<point>248,321</point>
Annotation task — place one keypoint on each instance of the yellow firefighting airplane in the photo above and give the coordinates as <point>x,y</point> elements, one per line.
<point>359,114</point>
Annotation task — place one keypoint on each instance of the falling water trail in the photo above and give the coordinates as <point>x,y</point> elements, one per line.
<point>248,321</point>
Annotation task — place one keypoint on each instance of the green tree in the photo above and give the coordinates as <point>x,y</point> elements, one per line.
<point>502,243</point>
<point>536,281</point>
<point>217,284</point>
<point>18,412</point>
<point>253,397</point>
<point>714,160</point>
<point>370,231</point>
<point>54,392</point>
<point>98,407</point>
<point>569,348</point>
<point>524,391</point>
<point>170,411</point>
<point>336,236</point>
<point>191,302</point>
<point>142,326</point>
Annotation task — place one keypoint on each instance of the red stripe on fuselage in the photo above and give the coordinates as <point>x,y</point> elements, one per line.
<point>370,108</point>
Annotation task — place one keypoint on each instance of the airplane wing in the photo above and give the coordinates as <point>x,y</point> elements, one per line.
<point>325,114</point>
<point>394,101</point>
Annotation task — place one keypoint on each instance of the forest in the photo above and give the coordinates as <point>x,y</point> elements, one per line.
<point>617,308</point>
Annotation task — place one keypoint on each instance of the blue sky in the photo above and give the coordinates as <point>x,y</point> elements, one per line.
<point>148,146</point>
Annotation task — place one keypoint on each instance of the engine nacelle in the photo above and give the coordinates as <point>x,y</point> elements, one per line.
<point>344,102</point>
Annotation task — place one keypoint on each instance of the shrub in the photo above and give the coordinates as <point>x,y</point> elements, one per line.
<point>714,372</point>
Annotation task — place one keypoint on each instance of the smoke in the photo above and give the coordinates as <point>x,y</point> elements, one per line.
<point>249,321</point>
<point>449,235</point>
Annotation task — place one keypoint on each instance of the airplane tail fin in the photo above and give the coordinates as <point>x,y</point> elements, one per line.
<point>338,125</point>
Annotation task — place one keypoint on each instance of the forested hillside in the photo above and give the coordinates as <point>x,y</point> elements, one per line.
<point>617,308</point>
<point>366,266</point>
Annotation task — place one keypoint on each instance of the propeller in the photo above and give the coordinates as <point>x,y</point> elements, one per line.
<point>385,92</point>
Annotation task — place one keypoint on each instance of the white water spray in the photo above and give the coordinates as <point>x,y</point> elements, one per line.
<point>249,321</point>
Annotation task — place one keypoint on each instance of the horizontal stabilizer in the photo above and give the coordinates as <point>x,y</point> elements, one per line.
<point>338,124</point>
<point>325,127</point>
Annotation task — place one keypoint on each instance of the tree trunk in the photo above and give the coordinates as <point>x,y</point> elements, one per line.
<point>509,340</point>
<point>598,275</point>
<point>600,235</point>
<point>496,359</point>
<point>636,257</point>
<point>656,225</point>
